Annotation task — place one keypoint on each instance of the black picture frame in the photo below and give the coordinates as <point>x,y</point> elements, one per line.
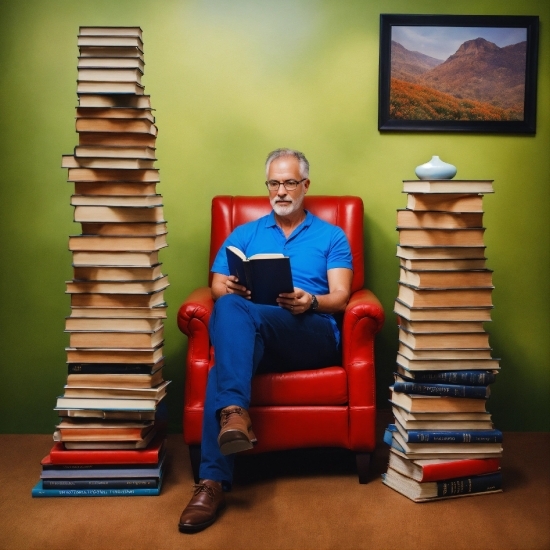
<point>405,110</point>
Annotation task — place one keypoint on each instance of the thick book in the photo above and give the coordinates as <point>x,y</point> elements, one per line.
<point>115,188</point>
<point>438,490</point>
<point>448,186</point>
<point>38,491</point>
<point>117,273</point>
<point>106,163</point>
<point>82,152</point>
<point>120,324</point>
<point>108,87</point>
<point>445,297</point>
<point>109,74</point>
<point>120,201</point>
<point>143,299</point>
<point>443,265</point>
<point>109,113</point>
<point>123,214</point>
<point>114,355</point>
<point>467,237</point>
<point>158,311</point>
<point>407,218</point>
<point>442,354</point>
<point>151,455</point>
<point>156,393</point>
<point>449,365</point>
<point>115,380</point>
<point>136,483</point>
<point>116,339</point>
<point>118,139</point>
<point>465,377</point>
<point>442,340</point>
<point>444,202</point>
<point>113,100</point>
<point>265,275</point>
<point>440,252</point>
<point>122,369</point>
<point>436,403</point>
<point>134,62</point>
<point>100,471</point>
<point>444,390</point>
<point>441,421</point>
<point>479,314</point>
<point>439,469</point>
<point>145,175</point>
<point>117,287</point>
<point>110,40</point>
<point>107,444</point>
<point>117,243</point>
<point>135,229</point>
<point>428,327</point>
<point>109,31</point>
<point>71,429</point>
<point>137,404</point>
<point>447,279</point>
<point>116,125</point>
<point>453,436</point>
<point>412,449</point>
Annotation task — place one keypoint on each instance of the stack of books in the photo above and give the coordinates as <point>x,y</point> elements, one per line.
<point>111,430</point>
<point>442,442</point>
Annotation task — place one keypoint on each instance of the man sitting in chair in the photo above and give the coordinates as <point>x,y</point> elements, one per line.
<point>300,333</point>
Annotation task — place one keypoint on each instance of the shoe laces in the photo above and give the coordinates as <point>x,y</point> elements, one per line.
<point>225,414</point>
<point>202,488</point>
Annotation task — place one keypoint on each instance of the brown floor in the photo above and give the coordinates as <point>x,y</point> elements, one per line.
<point>287,501</point>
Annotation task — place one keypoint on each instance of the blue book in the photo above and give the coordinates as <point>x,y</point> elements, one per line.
<point>443,390</point>
<point>461,377</point>
<point>38,491</point>
<point>453,436</point>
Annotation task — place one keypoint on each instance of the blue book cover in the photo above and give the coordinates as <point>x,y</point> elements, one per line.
<point>453,436</point>
<point>460,377</point>
<point>443,390</point>
<point>38,491</point>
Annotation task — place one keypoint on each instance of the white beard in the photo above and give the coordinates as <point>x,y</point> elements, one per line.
<point>295,205</point>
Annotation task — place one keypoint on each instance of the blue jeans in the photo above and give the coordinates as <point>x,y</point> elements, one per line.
<point>250,338</point>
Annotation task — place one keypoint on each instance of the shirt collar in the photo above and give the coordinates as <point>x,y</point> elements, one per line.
<point>270,220</point>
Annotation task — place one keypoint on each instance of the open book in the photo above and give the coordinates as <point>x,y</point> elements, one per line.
<point>265,275</point>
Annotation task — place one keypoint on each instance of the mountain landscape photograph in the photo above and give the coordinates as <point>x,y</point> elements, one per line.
<point>458,74</point>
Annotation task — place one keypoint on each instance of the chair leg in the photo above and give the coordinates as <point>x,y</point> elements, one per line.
<point>363,464</point>
<point>195,456</point>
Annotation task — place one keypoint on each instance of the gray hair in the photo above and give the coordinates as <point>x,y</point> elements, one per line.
<point>304,163</point>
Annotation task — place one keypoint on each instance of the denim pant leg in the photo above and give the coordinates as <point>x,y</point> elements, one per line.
<point>244,333</point>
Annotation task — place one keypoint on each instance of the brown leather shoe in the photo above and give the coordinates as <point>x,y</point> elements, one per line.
<point>236,430</point>
<point>202,511</point>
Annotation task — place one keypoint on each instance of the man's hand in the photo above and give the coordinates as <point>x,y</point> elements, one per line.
<point>223,284</point>
<point>296,302</point>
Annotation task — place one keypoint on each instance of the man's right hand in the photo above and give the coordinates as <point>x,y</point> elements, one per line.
<point>223,284</point>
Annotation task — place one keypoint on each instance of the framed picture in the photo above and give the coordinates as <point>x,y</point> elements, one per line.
<point>458,73</point>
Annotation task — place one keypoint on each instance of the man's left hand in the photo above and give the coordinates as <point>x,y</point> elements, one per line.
<point>296,302</point>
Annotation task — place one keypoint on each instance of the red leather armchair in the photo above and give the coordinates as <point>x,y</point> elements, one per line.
<point>329,407</point>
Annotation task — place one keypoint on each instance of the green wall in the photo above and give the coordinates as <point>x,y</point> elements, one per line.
<point>232,80</point>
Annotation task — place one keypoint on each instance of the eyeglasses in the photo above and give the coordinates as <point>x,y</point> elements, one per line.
<point>289,185</point>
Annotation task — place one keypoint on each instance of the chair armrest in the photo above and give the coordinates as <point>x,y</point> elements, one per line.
<point>194,313</point>
<point>363,319</point>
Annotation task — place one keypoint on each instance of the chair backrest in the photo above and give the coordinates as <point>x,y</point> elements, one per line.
<point>346,212</point>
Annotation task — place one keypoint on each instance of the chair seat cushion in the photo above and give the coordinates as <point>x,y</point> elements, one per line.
<point>327,386</point>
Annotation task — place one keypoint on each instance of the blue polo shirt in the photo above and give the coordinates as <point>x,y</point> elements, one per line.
<point>314,247</point>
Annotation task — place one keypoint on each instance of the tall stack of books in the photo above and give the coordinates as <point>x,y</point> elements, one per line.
<point>110,437</point>
<point>442,442</point>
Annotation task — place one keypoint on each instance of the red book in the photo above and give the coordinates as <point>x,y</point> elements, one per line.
<point>439,469</point>
<point>150,455</point>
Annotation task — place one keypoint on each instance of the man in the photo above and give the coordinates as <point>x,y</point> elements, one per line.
<point>300,333</point>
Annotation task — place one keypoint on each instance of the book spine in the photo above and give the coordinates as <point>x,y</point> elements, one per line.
<point>39,492</point>
<point>114,368</point>
<point>470,378</point>
<point>454,436</point>
<point>459,468</point>
<point>101,484</point>
<point>444,390</point>
<point>465,485</point>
